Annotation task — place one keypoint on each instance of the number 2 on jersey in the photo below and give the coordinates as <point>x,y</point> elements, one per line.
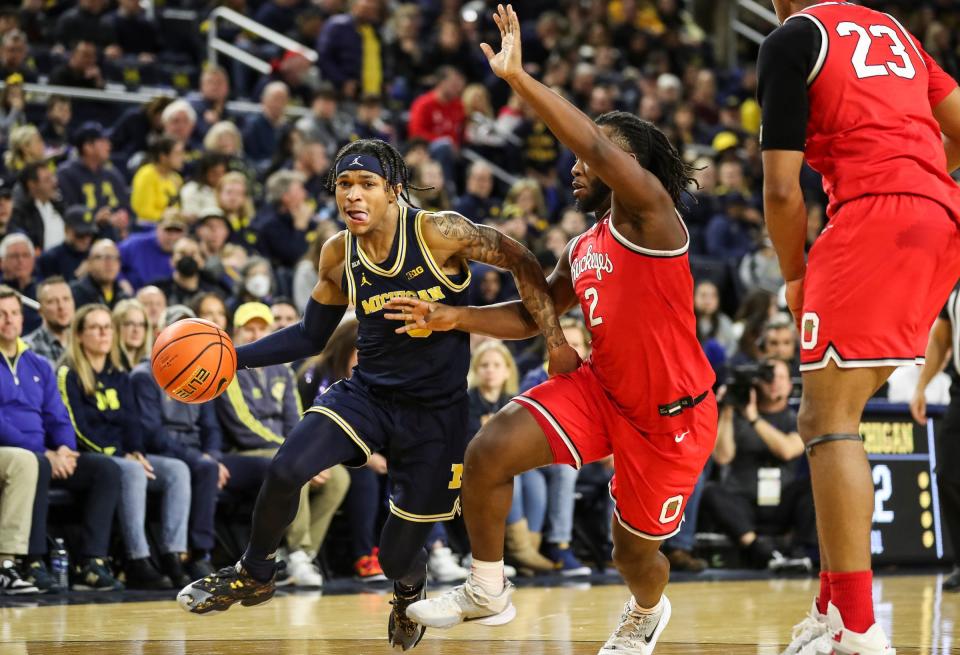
<point>865,70</point>
<point>594,297</point>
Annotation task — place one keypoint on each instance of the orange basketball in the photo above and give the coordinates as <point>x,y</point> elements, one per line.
<point>193,360</point>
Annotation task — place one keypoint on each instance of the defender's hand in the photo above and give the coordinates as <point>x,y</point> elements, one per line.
<point>421,315</point>
<point>507,63</point>
<point>563,359</point>
<point>795,301</point>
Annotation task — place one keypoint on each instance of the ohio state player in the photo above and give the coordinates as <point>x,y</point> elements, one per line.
<point>853,91</point>
<point>645,393</point>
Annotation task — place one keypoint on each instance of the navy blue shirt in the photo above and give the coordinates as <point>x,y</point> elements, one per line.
<point>422,365</point>
<point>278,239</point>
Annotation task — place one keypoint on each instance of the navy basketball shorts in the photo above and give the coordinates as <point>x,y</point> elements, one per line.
<point>423,443</point>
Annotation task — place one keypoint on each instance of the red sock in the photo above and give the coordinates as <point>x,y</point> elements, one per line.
<point>824,596</point>
<point>851,593</point>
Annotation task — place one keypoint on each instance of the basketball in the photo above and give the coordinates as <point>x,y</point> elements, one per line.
<point>193,360</point>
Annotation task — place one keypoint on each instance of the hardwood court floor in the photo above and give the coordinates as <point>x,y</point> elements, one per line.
<point>709,618</point>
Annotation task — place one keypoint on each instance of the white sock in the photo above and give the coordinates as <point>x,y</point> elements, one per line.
<point>488,576</point>
<point>636,609</point>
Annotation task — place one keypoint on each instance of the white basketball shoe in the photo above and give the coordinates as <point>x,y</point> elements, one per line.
<point>467,602</point>
<point>637,633</point>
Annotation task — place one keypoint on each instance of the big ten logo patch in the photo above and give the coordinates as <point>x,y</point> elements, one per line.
<point>193,384</point>
<point>415,272</point>
<point>107,399</point>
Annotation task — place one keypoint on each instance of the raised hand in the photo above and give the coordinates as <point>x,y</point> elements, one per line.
<point>507,63</point>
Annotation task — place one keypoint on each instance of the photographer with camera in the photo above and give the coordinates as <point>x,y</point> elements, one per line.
<point>759,447</point>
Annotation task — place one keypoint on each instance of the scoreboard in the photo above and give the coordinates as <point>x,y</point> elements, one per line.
<point>907,523</point>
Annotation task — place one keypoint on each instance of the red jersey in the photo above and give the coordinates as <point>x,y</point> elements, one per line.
<point>638,305</point>
<point>871,128</point>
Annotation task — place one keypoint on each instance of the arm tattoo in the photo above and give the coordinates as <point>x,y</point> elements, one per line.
<point>484,244</point>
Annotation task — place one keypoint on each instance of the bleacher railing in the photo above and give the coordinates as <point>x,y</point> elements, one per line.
<point>759,15</point>
<point>216,45</point>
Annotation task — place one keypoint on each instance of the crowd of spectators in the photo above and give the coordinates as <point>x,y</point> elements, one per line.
<point>116,220</point>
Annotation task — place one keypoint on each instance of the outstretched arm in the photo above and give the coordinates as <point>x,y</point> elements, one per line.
<point>508,320</point>
<point>320,318</point>
<point>451,236</point>
<point>634,186</point>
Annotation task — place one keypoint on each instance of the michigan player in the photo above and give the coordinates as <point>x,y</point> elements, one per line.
<point>644,395</point>
<point>407,396</point>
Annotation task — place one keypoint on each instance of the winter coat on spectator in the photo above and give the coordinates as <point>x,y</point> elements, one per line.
<point>260,408</point>
<point>106,421</point>
<point>86,291</point>
<point>61,260</point>
<point>33,414</point>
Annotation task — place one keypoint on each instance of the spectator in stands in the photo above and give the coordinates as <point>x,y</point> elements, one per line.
<point>262,134</point>
<point>431,194</point>
<point>437,116</point>
<point>481,131</point>
<point>365,495</point>
<point>759,442</point>
<point>56,309</point>
<point>310,160</point>
<point>156,186</point>
<point>294,70</point>
<point>233,197</point>
<point>492,382</point>
<point>65,259</point>
<point>199,194</point>
<point>734,232</point>
<point>224,138</point>
<point>284,314</point>
<point>190,433</point>
<point>81,68</point>
<point>14,52</point>
<point>278,15</point>
<point>305,275</point>
<point>213,232</point>
<point>6,207</point>
<point>325,123</point>
<point>84,23</point>
<point>525,199</point>
<point>17,260</point>
<point>38,212</point>
<point>132,333</point>
<point>135,32</point>
<point>54,128</point>
<point>349,50</point>
<point>100,284</point>
<point>712,323</point>
<point>779,341</point>
<point>18,474</point>
<point>12,105</point>
<point>146,256</point>
<point>98,397</point>
<point>256,283</point>
<point>282,232</point>
<point>25,146</point>
<point>137,127</point>
<point>37,421</point>
<point>155,304</point>
<point>179,120</point>
<point>369,123</point>
<point>478,202</point>
<point>210,104</point>
<point>210,307</point>
<point>189,277</point>
<point>92,181</point>
<point>261,407</point>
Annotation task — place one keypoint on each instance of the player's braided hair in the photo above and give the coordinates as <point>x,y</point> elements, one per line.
<point>391,161</point>
<point>653,150</point>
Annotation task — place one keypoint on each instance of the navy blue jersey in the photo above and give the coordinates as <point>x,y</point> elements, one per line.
<point>422,365</point>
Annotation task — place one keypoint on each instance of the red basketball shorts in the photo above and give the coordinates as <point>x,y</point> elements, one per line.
<point>654,472</point>
<point>876,279</point>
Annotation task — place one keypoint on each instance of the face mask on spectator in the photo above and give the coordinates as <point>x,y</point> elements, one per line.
<point>187,266</point>
<point>258,285</point>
